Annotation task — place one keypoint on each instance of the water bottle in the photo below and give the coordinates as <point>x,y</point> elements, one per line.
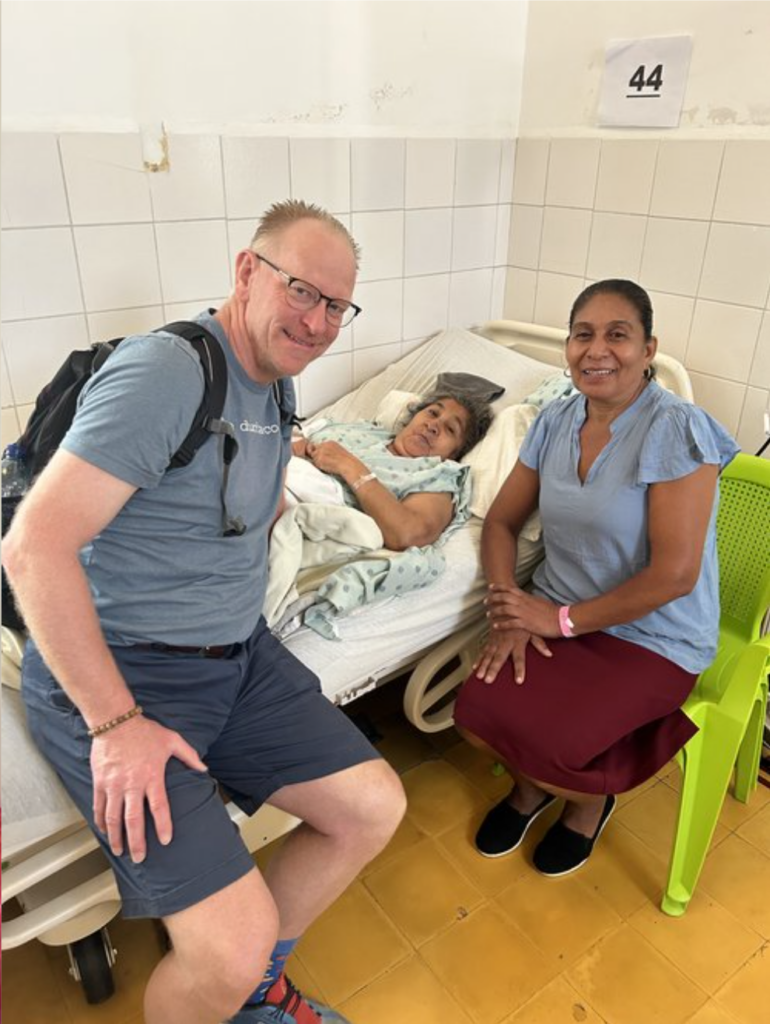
<point>15,480</point>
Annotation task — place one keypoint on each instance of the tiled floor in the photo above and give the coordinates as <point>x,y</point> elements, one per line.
<point>431,933</point>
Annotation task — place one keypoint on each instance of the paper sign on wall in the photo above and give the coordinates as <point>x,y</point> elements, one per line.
<point>644,82</point>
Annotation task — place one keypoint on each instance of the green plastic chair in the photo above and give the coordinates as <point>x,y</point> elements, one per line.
<point>730,698</point>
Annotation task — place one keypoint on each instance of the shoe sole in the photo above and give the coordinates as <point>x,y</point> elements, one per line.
<point>576,867</point>
<point>530,823</point>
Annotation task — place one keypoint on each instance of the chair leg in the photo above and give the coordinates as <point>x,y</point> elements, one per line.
<point>750,752</point>
<point>708,764</point>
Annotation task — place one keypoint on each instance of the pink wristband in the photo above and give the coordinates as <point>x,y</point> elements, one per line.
<point>566,625</point>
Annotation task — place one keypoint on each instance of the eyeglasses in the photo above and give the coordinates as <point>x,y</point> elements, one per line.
<point>304,296</point>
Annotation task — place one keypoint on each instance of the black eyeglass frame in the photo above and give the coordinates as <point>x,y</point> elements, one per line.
<point>311,287</point>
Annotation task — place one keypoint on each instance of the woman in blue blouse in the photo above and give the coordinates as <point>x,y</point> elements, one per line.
<point>579,687</point>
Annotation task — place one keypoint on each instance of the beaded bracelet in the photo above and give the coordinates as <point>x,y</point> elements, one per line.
<point>363,480</point>
<point>113,723</point>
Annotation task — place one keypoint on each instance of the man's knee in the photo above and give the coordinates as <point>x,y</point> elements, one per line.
<point>380,801</point>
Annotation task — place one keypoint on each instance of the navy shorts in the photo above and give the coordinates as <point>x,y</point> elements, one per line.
<point>257,718</point>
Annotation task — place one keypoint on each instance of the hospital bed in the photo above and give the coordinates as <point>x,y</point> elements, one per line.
<point>52,864</point>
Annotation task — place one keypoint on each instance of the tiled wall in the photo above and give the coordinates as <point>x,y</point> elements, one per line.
<point>689,219</point>
<point>94,246</point>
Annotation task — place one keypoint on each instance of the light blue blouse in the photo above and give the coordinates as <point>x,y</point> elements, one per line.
<point>595,533</point>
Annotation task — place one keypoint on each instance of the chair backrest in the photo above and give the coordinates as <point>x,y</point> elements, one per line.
<point>743,541</point>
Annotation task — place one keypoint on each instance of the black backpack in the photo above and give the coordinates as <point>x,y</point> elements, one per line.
<point>56,405</point>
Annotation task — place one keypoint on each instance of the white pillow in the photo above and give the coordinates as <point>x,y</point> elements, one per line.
<point>393,410</point>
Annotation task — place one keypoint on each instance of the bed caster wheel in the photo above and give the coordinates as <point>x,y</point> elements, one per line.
<point>91,961</point>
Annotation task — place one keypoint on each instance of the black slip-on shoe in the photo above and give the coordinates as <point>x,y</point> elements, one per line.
<point>504,828</point>
<point>562,850</point>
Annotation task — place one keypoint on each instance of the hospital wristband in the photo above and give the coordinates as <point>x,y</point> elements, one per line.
<point>566,625</point>
<point>99,730</point>
<point>363,480</point>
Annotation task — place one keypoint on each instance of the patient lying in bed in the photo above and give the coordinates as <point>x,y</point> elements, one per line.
<point>402,491</point>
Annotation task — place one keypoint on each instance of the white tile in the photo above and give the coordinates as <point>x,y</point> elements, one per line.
<point>626,171</point>
<point>369,361</point>
<point>507,157</point>
<point>751,429</point>
<point>411,344</point>
<point>6,391</point>
<point>193,260</point>
<point>381,320</point>
<point>40,274</point>
<point>672,319</point>
<point>381,237</point>
<point>239,235</point>
<point>470,298</point>
<point>572,169</point>
<point>33,185</point>
<point>35,349</point>
<point>256,173</point>
<point>499,279</point>
<point>760,367</point>
<point>173,311</point>
<point>9,426</point>
<point>192,188</point>
<point>430,172</point>
<point>325,380</point>
<point>502,234</point>
<point>106,179</point>
<point>554,298</point>
<point>723,340</point>
<point>427,241</point>
<point>477,172</point>
<point>520,289</point>
<point>615,249</point>
<point>673,255</point>
<point>320,172</point>
<point>378,173</point>
<point>737,264</point>
<point>426,305</point>
<point>122,322</point>
<point>530,171</point>
<point>686,178</point>
<point>473,237</point>
<point>525,235</point>
<point>744,184</point>
<point>722,398</point>
<point>24,412</point>
<point>118,266</point>
<point>564,245</point>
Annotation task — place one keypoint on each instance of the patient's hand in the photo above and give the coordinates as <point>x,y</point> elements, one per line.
<point>331,457</point>
<point>299,447</point>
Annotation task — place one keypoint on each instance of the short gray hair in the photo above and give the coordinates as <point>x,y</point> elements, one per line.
<point>280,216</point>
<point>480,415</point>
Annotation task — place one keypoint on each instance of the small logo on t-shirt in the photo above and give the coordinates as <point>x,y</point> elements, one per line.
<point>257,428</point>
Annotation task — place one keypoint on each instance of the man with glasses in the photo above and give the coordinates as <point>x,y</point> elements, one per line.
<point>152,679</point>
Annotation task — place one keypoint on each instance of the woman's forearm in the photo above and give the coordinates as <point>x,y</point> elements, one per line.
<point>645,592</point>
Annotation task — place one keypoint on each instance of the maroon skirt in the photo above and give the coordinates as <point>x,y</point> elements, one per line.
<point>600,716</point>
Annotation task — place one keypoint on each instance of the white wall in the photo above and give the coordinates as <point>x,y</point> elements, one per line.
<point>728,87</point>
<point>340,68</point>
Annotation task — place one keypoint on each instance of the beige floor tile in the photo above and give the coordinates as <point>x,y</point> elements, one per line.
<point>733,813</point>
<point>488,965</point>
<point>629,982</point>
<point>490,874</point>
<point>745,995</point>
<point>444,739</point>
<point>410,994</point>
<point>407,834</point>
<point>737,875</point>
<point>422,891</point>
<point>712,1013</point>
<point>632,794</point>
<point>562,916</point>
<point>623,871</point>
<point>555,1003</point>
<point>304,980</point>
<point>757,830</point>
<point>402,745</point>
<point>478,768</point>
<point>439,797</point>
<point>31,993</point>
<point>351,944</point>
<point>707,942</point>
<point>652,817</point>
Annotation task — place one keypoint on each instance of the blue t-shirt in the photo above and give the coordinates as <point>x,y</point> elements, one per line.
<point>595,533</point>
<point>162,570</point>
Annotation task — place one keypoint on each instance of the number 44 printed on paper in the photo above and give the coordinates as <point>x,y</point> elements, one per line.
<point>644,82</point>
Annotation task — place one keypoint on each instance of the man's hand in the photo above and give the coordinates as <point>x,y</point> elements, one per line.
<point>129,766</point>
